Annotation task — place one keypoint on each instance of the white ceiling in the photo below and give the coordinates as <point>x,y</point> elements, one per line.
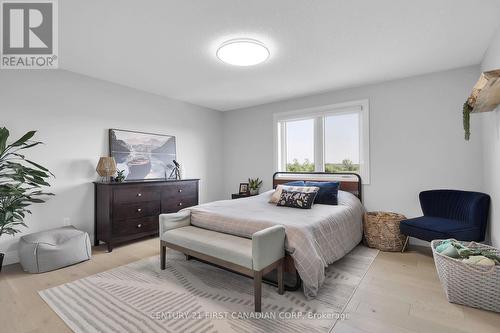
<point>168,47</point>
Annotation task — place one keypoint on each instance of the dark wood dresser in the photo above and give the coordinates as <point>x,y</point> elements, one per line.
<point>130,210</point>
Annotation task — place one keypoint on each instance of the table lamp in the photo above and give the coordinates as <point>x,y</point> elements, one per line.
<point>106,167</point>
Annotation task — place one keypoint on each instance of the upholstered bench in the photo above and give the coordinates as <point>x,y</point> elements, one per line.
<point>251,257</point>
<point>52,249</point>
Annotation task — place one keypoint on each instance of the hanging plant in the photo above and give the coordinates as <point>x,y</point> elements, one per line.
<point>485,97</point>
<point>467,109</point>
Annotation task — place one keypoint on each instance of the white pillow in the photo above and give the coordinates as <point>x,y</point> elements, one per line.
<point>277,193</point>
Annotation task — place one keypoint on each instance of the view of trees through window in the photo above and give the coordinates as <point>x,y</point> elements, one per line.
<point>300,145</point>
<point>341,144</point>
<point>307,166</point>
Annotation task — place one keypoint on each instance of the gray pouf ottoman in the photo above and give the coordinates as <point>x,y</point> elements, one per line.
<point>52,249</point>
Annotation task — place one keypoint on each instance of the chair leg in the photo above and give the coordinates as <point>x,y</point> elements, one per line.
<point>405,244</point>
<point>257,290</point>
<point>163,254</point>
<point>281,284</point>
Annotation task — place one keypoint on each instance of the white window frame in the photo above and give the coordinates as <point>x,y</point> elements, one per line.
<point>318,113</point>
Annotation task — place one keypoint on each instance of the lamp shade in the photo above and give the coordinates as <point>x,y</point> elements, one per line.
<point>106,166</point>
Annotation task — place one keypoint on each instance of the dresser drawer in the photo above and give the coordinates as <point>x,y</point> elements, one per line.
<point>136,210</point>
<point>130,227</point>
<point>135,194</point>
<point>173,204</point>
<point>180,190</point>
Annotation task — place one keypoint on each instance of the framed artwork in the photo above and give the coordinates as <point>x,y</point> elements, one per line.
<point>142,155</point>
<point>243,188</point>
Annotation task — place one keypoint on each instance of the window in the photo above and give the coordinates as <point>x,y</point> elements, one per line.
<point>299,145</point>
<point>333,138</point>
<point>342,142</point>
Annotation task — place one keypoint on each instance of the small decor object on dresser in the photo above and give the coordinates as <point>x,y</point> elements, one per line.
<point>120,176</point>
<point>254,185</point>
<point>106,167</point>
<point>243,189</point>
<point>381,231</point>
<point>176,171</point>
<point>142,155</point>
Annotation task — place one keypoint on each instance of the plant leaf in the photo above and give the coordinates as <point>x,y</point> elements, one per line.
<point>4,135</point>
<point>20,185</point>
<point>23,139</point>
<point>39,166</point>
<point>36,143</point>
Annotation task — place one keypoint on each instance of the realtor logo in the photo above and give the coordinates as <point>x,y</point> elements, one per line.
<point>29,37</point>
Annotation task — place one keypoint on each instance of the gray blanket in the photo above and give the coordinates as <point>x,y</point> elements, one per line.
<point>315,237</point>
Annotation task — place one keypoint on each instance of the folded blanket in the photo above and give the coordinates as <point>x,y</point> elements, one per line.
<point>479,260</point>
<point>457,250</point>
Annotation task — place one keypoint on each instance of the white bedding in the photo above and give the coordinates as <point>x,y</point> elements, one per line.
<point>315,237</point>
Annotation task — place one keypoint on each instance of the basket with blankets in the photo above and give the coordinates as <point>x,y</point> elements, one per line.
<point>469,273</point>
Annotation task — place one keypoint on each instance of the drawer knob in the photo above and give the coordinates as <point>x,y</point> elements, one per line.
<point>139,194</point>
<point>139,210</point>
<point>139,225</point>
<point>180,203</point>
<point>180,190</point>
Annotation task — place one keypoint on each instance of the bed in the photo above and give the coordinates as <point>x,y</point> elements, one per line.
<point>315,237</point>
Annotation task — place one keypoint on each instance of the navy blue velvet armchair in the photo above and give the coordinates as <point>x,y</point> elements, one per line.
<point>455,214</point>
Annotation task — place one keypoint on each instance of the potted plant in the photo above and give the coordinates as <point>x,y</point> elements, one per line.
<point>21,183</point>
<point>254,185</point>
<point>120,176</point>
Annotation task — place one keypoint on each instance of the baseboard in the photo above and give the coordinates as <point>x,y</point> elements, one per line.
<point>11,257</point>
<point>419,242</point>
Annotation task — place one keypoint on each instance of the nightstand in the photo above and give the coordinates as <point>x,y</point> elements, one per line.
<point>238,196</point>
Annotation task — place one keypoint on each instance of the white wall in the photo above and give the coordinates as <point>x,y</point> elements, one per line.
<point>72,114</point>
<point>416,138</point>
<point>491,142</point>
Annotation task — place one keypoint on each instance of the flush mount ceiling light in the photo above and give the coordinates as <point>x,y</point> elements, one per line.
<point>243,52</point>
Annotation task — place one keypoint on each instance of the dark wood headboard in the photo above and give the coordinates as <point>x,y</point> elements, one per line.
<point>349,181</point>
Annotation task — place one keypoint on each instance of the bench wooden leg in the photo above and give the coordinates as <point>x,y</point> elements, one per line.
<point>281,284</point>
<point>257,283</point>
<point>163,254</point>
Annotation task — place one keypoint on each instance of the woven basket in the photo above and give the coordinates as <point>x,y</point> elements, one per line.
<point>472,285</point>
<point>381,231</point>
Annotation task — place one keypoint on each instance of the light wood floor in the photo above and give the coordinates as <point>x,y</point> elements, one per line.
<point>400,293</point>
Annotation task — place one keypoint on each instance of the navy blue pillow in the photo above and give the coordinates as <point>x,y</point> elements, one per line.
<point>328,192</point>
<point>295,183</point>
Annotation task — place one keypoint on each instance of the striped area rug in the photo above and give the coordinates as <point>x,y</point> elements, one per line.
<point>190,296</point>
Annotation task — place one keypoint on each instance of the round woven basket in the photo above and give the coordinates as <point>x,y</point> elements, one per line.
<point>381,231</point>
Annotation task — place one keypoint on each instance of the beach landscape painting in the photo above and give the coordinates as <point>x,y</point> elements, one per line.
<point>142,155</point>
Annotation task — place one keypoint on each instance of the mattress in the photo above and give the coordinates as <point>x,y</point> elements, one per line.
<point>315,237</point>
